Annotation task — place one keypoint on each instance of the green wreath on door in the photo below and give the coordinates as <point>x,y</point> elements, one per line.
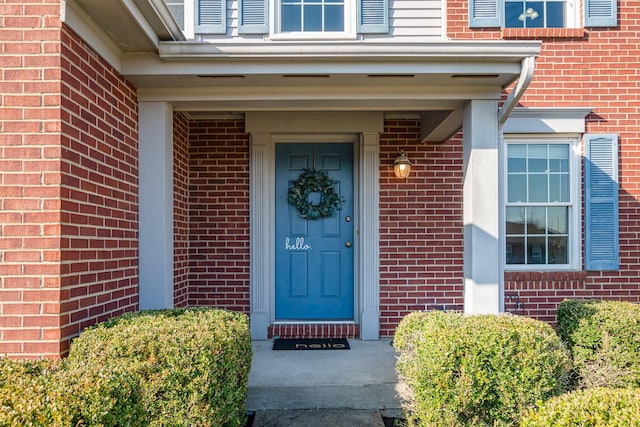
<point>314,181</point>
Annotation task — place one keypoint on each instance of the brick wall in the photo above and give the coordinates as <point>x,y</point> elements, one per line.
<point>421,229</point>
<point>583,68</point>
<point>219,214</point>
<point>98,190</point>
<point>68,191</point>
<point>30,177</point>
<point>180,209</point>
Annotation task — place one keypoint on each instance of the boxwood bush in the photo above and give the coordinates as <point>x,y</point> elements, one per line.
<point>155,368</point>
<point>477,370</point>
<point>604,339</point>
<point>47,393</point>
<point>192,365</point>
<point>596,407</point>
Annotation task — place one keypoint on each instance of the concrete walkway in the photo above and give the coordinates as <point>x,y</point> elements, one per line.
<point>353,387</point>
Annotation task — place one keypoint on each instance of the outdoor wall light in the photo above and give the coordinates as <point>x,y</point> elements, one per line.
<point>402,165</point>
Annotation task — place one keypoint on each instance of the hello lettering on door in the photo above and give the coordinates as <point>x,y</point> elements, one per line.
<point>297,245</point>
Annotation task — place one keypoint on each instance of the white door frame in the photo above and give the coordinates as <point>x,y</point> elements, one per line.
<point>266,129</point>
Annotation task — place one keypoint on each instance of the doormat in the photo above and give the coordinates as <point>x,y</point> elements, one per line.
<point>311,344</point>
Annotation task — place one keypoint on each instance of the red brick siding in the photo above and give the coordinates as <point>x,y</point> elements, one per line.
<point>99,190</point>
<point>421,230</point>
<point>219,214</point>
<point>596,68</point>
<point>29,179</point>
<point>181,209</point>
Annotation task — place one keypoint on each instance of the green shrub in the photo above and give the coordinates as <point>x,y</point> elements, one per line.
<point>477,370</point>
<point>596,407</point>
<point>24,386</point>
<point>604,339</point>
<point>192,366</point>
<point>47,393</point>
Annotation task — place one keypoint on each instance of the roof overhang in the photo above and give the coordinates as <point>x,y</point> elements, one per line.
<point>130,25</point>
<point>434,79</point>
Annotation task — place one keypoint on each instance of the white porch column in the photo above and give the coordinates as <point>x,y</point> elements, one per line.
<point>155,189</point>
<point>261,215</point>
<point>369,236</point>
<point>482,283</point>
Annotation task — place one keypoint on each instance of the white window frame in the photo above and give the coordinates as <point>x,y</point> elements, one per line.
<point>349,32</point>
<point>189,19</point>
<point>573,9</point>
<point>574,244</point>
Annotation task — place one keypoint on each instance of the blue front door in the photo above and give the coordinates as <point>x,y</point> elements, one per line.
<point>314,257</point>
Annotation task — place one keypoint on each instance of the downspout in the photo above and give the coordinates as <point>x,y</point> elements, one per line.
<point>526,75</point>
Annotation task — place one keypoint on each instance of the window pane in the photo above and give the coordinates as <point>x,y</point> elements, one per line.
<point>516,158</point>
<point>559,188</point>
<point>558,158</point>
<point>538,188</point>
<point>558,220</point>
<point>558,250</point>
<point>515,220</point>
<point>312,18</point>
<point>534,14</point>
<point>536,253</point>
<point>512,13</point>
<point>536,220</point>
<point>537,158</point>
<point>291,17</point>
<point>555,14</point>
<point>515,250</point>
<point>517,188</point>
<point>334,18</point>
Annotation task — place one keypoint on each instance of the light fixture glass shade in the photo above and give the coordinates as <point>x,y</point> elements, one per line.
<point>402,166</point>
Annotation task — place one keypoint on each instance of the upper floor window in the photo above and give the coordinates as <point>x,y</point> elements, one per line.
<point>291,18</point>
<point>536,14</point>
<point>312,15</point>
<point>542,13</point>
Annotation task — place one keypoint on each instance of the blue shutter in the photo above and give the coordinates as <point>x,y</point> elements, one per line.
<point>373,16</point>
<point>211,17</point>
<point>485,13</point>
<point>600,13</point>
<point>253,17</point>
<point>601,202</point>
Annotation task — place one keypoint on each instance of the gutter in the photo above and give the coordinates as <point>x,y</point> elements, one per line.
<point>160,18</point>
<point>526,75</point>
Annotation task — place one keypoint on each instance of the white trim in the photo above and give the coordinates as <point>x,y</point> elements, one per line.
<point>547,120</point>
<point>575,224</point>
<point>268,128</point>
<point>189,19</point>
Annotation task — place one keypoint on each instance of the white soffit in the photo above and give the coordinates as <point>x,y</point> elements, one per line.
<point>547,120</point>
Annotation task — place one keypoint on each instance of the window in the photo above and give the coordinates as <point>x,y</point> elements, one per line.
<point>312,15</point>
<point>535,14</point>
<point>542,188</point>
<point>542,13</point>
<point>309,18</point>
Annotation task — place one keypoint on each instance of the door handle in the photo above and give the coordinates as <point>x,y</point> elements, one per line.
<point>347,244</point>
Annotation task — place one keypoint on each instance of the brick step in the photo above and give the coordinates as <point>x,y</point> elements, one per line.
<point>314,330</point>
